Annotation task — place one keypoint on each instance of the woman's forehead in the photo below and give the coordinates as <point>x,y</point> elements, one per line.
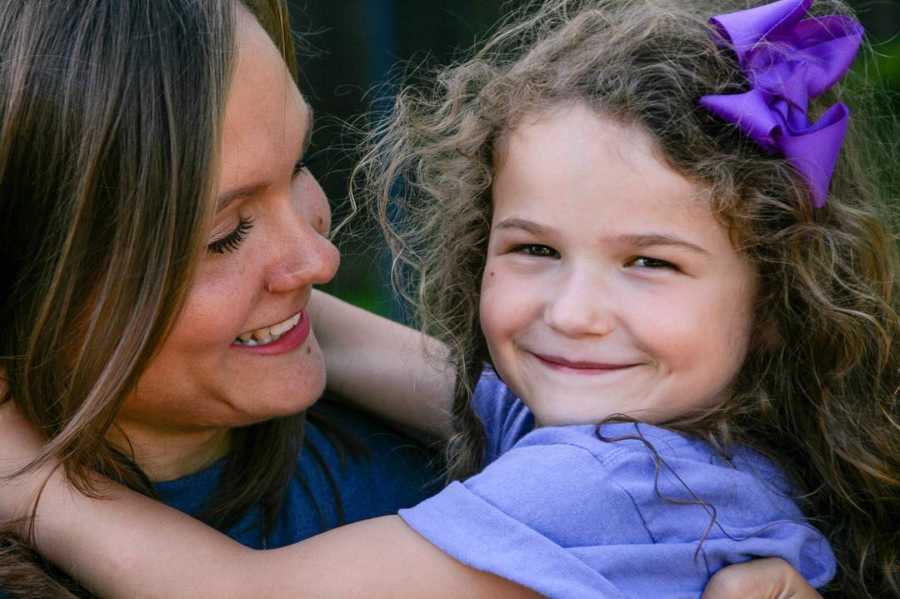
<point>266,117</point>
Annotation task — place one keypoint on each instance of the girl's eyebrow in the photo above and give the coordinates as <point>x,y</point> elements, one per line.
<point>521,223</point>
<point>254,188</point>
<point>637,240</point>
<point>658,239</point>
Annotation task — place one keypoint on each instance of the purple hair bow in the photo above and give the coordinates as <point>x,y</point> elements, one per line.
<point>789,60</point>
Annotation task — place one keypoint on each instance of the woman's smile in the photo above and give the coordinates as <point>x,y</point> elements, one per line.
<point>268,334</point>
<point>279,338</point>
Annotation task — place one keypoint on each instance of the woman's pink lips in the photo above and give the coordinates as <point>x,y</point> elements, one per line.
<point>586,367</point>
<point>291,340</point>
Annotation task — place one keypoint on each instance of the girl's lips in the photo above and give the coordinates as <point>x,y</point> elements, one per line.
<point>584,367</point>
<point>290,340</point>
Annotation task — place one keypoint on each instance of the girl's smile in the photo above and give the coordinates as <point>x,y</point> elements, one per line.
<point>580,366</point>
<point>609,286</point>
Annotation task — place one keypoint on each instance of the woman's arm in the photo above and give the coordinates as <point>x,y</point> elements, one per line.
<point>384,367</point>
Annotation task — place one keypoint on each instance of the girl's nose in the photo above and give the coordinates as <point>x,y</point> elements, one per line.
<point>580,306</point>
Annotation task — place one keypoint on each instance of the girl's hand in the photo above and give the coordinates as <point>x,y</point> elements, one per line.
<point>770,578</point>
<point>20,444</point>
<point>384,367</point>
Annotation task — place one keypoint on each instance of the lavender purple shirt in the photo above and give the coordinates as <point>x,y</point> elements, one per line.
<point>569,515</point>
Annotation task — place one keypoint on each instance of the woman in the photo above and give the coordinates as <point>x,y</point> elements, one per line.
<point>92,155</point>
<point>159,224</point>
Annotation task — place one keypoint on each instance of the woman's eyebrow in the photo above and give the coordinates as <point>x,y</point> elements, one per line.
<point>248,190</point>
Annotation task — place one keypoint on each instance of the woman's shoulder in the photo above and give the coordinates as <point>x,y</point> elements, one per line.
<point>351,466</point>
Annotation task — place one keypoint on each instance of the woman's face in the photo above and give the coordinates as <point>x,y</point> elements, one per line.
<point>242,350</point>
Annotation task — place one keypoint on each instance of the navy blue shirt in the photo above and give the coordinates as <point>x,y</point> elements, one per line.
<point>392,472</point>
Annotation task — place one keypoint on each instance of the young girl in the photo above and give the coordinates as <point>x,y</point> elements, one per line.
<point>638,222</point>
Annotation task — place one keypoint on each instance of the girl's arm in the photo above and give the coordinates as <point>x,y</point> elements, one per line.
<point>130,546</point>
<point>384,367</point>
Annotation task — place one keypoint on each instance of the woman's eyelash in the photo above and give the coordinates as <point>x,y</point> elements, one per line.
<point>233,240</point>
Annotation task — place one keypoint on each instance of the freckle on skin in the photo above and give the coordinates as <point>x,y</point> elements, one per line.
<point>320,222</point>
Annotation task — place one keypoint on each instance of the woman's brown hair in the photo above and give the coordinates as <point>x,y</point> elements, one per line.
<point>110,116</point>
<point>818,391</point>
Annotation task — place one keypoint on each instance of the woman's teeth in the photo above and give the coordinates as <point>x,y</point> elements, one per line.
<point>270,334</point>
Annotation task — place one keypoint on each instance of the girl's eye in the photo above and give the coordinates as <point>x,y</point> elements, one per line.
<point>537,250</point>
<point>646,262</point>
<point>230,242</point>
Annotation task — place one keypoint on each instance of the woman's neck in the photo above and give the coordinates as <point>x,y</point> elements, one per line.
<point>169,454</point>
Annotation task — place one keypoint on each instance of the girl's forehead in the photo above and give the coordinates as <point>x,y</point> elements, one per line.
<point>573,120</point>
<point>586,172</point>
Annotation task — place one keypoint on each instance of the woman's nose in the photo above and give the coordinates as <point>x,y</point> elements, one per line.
<point>303,255</point>
<point>580,306</point>
<point>314,261</point>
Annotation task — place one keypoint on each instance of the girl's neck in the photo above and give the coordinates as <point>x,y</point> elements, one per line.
<point>169,454</point>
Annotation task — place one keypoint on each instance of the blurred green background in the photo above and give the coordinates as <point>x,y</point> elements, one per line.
<point>351,47</point>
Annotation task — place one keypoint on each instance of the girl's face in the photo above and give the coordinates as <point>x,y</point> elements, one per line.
<point>609,287</point>
<point>267,248</point>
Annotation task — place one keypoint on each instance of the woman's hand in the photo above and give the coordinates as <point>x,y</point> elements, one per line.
<point>770,578</point>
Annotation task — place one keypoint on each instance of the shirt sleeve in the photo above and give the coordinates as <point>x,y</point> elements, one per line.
<point>511,520</point>
<point>505,418</point>
<point>570,522</point>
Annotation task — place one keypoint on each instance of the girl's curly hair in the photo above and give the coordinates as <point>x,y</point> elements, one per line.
<point>818,390</point>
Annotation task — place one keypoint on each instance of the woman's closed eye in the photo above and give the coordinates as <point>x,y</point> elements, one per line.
<point>233,240</point>
<point>536,249</point>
